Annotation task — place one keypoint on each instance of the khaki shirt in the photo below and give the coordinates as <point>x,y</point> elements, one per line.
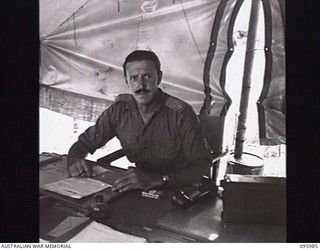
<point>171,140</point>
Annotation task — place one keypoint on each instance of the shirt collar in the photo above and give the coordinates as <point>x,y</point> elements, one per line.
<point>161,100</point>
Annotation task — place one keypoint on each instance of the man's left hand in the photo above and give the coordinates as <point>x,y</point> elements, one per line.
<point>136,179</point>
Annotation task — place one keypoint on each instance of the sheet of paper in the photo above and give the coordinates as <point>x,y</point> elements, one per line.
<point>98,233</point>
<point>76,187</point>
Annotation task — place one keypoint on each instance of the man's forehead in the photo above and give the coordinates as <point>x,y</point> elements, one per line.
<point>141,65</point>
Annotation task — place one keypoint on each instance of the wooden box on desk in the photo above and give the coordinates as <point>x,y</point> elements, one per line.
<point>254,199</point>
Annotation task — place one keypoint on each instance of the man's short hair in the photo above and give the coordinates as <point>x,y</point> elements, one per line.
<point>139,55</point>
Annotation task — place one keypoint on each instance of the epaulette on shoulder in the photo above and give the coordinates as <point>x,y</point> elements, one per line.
<point>175,104</point>
<point>123,98</point>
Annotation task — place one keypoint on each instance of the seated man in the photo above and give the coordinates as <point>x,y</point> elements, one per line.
<point>158,132</point>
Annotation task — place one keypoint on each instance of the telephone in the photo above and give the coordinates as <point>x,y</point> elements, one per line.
<point>185,198</point>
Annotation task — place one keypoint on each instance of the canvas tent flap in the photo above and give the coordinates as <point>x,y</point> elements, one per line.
<point>84,54</point>
<point>271,104</point>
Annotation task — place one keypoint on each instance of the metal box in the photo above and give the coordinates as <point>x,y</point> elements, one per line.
<point>255,199</point>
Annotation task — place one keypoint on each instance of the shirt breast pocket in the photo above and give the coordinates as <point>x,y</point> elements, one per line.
<point>130,146</point>
<point>168,147</point>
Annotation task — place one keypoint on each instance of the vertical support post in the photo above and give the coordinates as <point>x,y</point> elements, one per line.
<point>246,80</point>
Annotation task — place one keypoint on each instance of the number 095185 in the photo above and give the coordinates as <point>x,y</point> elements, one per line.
<point>309,245</point>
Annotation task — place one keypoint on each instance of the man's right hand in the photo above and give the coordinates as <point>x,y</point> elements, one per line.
<point>79,168</point>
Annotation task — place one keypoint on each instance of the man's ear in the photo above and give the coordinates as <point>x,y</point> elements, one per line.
<point>159,77</point>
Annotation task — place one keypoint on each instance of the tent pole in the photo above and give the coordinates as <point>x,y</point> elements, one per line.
<point>246,80</point>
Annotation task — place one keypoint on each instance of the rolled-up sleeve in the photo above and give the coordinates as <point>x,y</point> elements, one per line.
<point>101,132</point>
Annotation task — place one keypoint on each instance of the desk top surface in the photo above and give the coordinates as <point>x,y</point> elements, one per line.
<point>159,220</point>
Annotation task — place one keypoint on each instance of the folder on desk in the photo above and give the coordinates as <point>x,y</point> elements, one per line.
<point>77,187</point>
<point>107,178</point>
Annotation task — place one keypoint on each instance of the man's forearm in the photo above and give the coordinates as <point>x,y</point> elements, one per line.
<point>77,151</point>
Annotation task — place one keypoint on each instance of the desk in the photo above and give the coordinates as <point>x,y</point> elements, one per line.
<point>156,220</point>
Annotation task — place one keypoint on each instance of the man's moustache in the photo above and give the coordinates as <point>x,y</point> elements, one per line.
<point>142,90</point>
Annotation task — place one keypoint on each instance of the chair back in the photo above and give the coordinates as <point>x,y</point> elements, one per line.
<point>212,127</point>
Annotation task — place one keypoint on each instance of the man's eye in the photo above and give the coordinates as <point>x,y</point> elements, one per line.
<point>133,78</point>
<point>147,76</point>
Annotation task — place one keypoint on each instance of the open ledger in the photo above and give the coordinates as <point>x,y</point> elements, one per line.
<point>98,233</point>
<point>76,187</point>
